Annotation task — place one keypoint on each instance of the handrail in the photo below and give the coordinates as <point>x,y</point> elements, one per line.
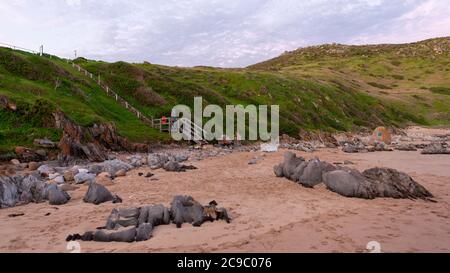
<point>19,48</point>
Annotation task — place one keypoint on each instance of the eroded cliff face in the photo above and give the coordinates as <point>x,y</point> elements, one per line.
<point>91,143</point>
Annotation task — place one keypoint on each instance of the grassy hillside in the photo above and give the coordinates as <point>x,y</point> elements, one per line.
<point>304,103</point>
<point>40,85</point>
<point>329,87</point>
<point>415,77</point>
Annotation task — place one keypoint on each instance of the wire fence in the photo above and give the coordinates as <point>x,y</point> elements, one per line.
<point>19,48</point>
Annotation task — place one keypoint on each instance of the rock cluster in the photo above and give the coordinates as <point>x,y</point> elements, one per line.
<point>372,183</point>
<point>436,148</point>
<point>19,190</point>
<point>137,224</point>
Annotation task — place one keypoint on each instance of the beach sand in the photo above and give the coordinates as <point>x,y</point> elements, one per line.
<point>269,214</point>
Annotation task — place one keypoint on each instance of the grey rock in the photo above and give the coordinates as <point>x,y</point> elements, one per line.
<point>406,147</point>
<point>436,148</point>
<point>173,166</point>
<point>184,209</point>
<point>395,184</point>
<point>83,177</point>
<point>46,170</point>
<point>56,196</point>
<point>97,194</point>
<point>113,166</point>
<point>144,232</point>
<point>19,190</point>
<point>349,184</point>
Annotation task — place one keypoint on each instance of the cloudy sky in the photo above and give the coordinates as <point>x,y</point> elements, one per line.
<point>227,33</point>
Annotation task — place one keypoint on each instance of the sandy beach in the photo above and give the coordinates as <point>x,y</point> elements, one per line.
<point>269,214</point>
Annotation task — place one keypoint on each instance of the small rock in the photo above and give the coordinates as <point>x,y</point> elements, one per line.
<point>53,176</point>
<point>348,162</point>
<point>41,152</point>
<point>46,143</point>
<point>253,161</point>
<point>82,170</point>
<point>32,166</point>
<point>68,187</point>
<point>45,170</point>
<point>69,175</point>
<point>149,175</point>
<point>59,179</point>
<point>120,173</point>
<point>83,177</point>
<point>140,174</point>
<point>15,162</point>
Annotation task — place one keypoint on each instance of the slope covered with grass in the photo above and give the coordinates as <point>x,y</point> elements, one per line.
<point>304,104</point>
<point>412,76</point>
<point>40,85</point>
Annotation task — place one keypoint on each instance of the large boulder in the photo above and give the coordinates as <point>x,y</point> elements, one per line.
<point>113,166</point>
<point>349,183</point>
<point>372,183</point>
<point>124,217</point>
<point>157,161</point>
<point>19,190</point>
<point>288,167</point>
<point>375,182</point>
<point>307,173</point>
<point>406,147</point>
<point>436,148</point>
<point>312,173</point>
<point>184,209</point>
<point>173,166</point>
<point>395,184</point>
<point>9,192</point>
<point>97,194</point>
<point>33,189</point>
<point>56,196</point>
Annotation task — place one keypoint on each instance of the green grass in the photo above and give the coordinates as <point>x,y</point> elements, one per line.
<point>440,90</point>
<point>25,78</point>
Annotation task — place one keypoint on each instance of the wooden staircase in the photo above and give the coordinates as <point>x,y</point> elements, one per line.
<point>163,124</point>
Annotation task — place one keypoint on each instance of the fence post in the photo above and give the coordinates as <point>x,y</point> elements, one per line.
<point>99,79</point>
<point>107,90</point>
<point>117,97</point>
<point>126,104</point>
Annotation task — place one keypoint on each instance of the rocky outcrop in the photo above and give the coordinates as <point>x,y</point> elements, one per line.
<point>184,209</point>
<point>174,166</point>
<point>306,173</point>
<point>90,143</point>
<point>395,184</point>
<point>406,147</point>
<point>372,183</point>
<point>18,190</point>
<point>436,148</point>
<point>140,222</point>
